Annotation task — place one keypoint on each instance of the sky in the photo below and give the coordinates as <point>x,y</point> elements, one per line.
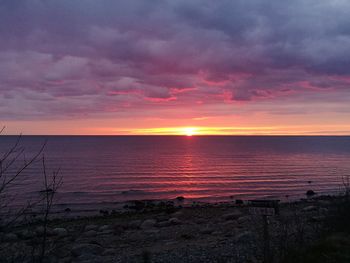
<point>175,67</point>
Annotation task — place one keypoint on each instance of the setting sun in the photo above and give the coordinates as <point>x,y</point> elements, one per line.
<point>190,131</point>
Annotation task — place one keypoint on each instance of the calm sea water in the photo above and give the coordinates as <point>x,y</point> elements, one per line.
<point>108,169</point>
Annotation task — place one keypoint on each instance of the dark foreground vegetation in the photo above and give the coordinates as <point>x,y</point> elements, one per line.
<point>333,243</point>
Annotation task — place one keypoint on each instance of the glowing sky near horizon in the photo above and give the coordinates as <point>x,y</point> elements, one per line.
<point>167,66</point>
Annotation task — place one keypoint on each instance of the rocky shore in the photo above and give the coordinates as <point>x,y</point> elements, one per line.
<point>147,231</point>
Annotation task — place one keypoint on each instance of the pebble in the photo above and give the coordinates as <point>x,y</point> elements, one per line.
<point>200,221</point>
<point>164,224</point>
<point>134,224</point>
<point>207,231</point>
<point>232,216</point>
<point>104,228</point>
<point>61,232</point>
<point>310,208</point>
<point>86,249</point>
<point>243,219</point>
<point>109,251</point>
<point>91,227</point>
<point>27,234</point>
<point>244,236</point>
<point>10,237</point>
<point>174,221</point>
<point>90,233</point>
<point>40,230</point>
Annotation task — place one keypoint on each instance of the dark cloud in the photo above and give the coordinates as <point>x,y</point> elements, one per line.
<point>95,56</point>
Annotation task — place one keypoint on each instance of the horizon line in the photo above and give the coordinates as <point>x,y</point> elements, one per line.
<point>184,135</point>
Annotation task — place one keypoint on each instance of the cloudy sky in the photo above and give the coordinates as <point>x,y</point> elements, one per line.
<point>140,66</point>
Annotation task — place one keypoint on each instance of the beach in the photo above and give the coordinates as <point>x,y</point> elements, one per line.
<point>166,231</point>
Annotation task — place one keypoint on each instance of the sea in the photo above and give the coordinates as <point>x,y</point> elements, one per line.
<point>107,169</point>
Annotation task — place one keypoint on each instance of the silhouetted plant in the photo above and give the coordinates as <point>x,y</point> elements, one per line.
<point>13,165</point>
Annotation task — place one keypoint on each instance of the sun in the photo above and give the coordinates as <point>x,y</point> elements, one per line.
<point>190,131</point>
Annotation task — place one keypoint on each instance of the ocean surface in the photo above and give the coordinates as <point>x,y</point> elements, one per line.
<point>99,169</point>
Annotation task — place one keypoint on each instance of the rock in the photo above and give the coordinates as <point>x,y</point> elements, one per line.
<point>10,237</point>
<point>104,212</point>
<point>310,193</point>
<point>61,232</point>
<point>207,231</point>
<point>91,227</point>
<point>174,221</point>
<point>232,216</point>
<point>180,198</point>
<point>90,233</point>
<point>310,208</point>
<point>134,224</point>
<point>231,223</point>
<point>106,232</point>
<point>239,202</point>
<point>25,234</point>
<point>317,219</point>
<point>65,260</point>
<point>243,219</point>
<point>164,224</point>
<point>187,236</point>
<point>324,210</point>
<point>245,236</point>
<point>200,221</point>
<point>40,230</point>
<point>152,231</point>
<point>149,223</point>
<point>108,252</point>
<point>177,214</point>
<point>162,218</point>
<point>104,228</point>
<point>86,249</point>
<point>118,229</point>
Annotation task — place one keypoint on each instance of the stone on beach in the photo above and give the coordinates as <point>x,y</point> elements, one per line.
<point>149,223</point>
<point>104,228</point>
<point>310,193</point>
<point>134,224</point>
<point>310,208</point>
<point>243,219</point>
<point>232,216</point>
<point>174,221</point>
<point>59,231</point>
<point>86,249</point>
<point>40,230</point>
<point>91,227</point>
<point>207,230</point>
<point>90,233</point>
<point>245,236</point>
<point>10,237</point>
